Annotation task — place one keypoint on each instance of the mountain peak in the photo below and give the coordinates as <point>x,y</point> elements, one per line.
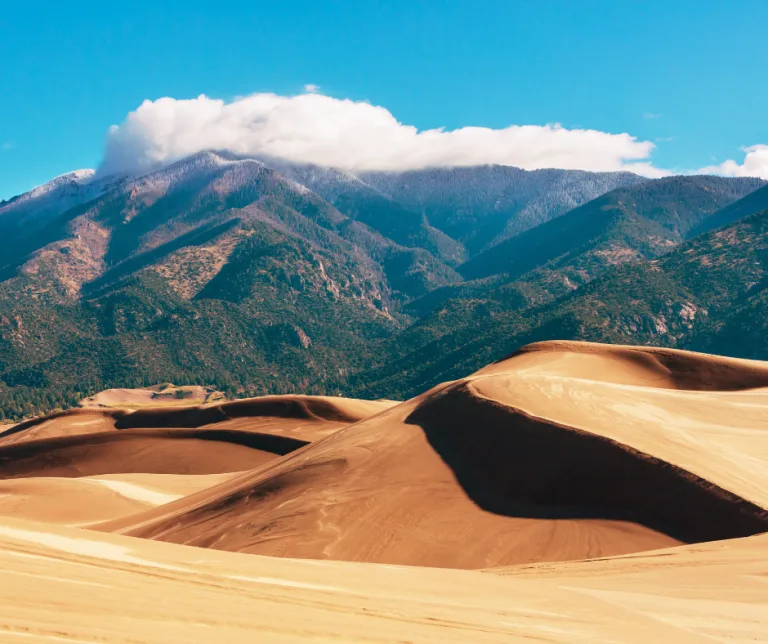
<point>59,185</point>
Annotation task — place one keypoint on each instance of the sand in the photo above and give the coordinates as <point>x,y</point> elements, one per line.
<point>145,451</point>
<point>71,585</point>
<point>306,418</point>
<point>93,499</point>
<point>522,462</point>
<point>153,396</point>
<point>571,492</point>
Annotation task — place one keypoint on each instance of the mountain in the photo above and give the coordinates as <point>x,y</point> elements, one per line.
<point>624,225</point>
<point>53,198</point>
<point>364,203</point>
<point>259,276</point>
<point>708,294</point>
<point>640,220</point>
<point>753,202</point>
<point>213,270</point>
<point>484,205</point>
<point>454,212</point>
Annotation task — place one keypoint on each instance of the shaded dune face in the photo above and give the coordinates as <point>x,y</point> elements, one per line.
<point>380,492</point>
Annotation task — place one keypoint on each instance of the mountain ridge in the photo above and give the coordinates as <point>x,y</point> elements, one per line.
<point>310,277</point>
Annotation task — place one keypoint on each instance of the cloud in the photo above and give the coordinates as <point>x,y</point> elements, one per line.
<point>351,135</point>
<point>5,146</point>
<point>648,116</point>
<point>311,88</point>
<point>755,164</point>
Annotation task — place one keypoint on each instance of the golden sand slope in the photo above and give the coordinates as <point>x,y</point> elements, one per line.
<point>563,451</point>
<point>704,413</point>
<point>71,585</point>
<point>91,499</point>
<point>83,467</point>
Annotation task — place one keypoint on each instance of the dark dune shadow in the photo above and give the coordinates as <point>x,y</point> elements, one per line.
<point>158,451</point>
<point>264,407</point>
<point>514,465</point>
<point>196,416</point>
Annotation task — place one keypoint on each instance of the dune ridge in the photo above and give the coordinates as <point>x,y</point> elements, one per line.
<point>634,365</point>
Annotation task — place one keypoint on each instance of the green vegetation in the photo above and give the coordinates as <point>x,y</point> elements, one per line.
<point>225,274</point>
<point>709,294</point>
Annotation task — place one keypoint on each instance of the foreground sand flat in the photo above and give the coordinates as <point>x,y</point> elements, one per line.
<point>71,585</point>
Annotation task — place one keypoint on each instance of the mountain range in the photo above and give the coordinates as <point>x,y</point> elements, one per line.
<point>258,276</point>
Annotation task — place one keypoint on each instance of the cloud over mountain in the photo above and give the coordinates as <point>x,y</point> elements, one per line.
<point>755,164</point>
<point>352,135</point>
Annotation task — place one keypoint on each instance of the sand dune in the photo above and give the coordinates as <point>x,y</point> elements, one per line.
<point>303,417</point>
<point>511,465</point>
<point>571,473</point>
<point>92,499</point>
<point>714,425</point>
<point>69,423</point>
<point>71,585</point>
<point>150,451</point>
<point>153,396</point>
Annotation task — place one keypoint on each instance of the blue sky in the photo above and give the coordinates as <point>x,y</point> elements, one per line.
<point>689,76</point>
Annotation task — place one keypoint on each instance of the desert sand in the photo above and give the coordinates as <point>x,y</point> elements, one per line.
<point>72,585</point>
<point>166,394</point>
<point>570,492</point>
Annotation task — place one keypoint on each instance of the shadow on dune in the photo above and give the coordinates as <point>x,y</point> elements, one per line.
<point>156,451</point>
<point>309,408</point>
<point>513,464</point>
<point>295,407</point>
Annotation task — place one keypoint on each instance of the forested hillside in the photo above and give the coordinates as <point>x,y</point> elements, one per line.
<point>261,277</point>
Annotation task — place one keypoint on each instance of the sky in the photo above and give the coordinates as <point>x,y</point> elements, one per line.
<point>654,86</point>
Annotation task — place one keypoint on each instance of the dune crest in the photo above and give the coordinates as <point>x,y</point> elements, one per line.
<point>631,365</point>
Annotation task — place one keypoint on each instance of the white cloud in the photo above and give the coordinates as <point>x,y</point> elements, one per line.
<point>7,145</point>
<point>650,115</point>
<point>755,164</point>
<point>311,88</point>
<point>352,135</point>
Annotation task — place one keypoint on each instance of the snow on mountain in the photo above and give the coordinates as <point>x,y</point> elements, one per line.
<point>41,204</point>
<point>329,183</point>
